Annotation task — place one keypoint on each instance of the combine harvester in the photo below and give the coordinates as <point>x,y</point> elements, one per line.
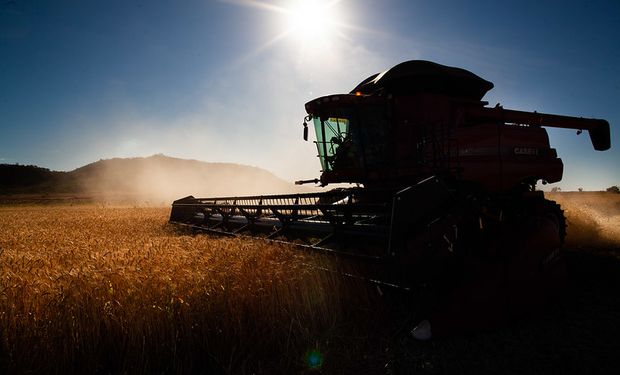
<point>445,192</point>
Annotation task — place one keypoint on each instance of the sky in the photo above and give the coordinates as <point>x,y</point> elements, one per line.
<point>226,81</point>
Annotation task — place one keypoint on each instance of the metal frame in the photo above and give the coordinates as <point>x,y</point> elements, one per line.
<point>349,222</point>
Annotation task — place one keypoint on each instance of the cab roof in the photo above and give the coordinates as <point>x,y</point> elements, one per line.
<point>420,76</point>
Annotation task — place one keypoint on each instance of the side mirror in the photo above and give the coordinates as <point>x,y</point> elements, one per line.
<point>306,119</point>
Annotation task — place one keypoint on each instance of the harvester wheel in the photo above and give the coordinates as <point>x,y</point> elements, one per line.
<point>536,272</point>
<point>529,272</point>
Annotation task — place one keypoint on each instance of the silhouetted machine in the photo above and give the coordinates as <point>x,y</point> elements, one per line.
<point>445,192</point>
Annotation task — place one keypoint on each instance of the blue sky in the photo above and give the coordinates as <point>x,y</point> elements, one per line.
<point>227,80</point>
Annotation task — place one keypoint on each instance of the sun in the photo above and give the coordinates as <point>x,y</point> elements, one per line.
<point>315,29</point>
<point>312,22</point>
<point>311,25</point>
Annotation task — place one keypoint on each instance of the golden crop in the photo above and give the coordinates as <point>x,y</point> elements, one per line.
<point>100,288</point>
<point>592,218</point>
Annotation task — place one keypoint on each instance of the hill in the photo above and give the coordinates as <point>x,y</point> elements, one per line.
<point>156,178</point>
<point>30,179</point>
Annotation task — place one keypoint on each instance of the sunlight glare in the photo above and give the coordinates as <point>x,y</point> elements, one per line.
<point>312,22</point>
<point>311,27</point>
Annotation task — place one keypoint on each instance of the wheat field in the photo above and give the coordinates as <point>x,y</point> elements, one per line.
<point>109,289</point>
<point>104,289</point>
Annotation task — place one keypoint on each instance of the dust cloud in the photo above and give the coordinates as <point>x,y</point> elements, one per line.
<point>160,179</point>
<point>592,218</point>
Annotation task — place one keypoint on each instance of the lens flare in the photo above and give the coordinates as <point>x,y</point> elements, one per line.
<point>314,359</point>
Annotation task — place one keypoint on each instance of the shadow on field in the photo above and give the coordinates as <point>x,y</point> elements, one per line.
<point>361,331</point>
<point>577,335</point>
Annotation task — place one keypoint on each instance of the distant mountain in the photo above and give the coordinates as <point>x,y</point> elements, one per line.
<point>156,177</point>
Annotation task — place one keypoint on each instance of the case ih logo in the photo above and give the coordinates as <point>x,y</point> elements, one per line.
<point>526,151</point>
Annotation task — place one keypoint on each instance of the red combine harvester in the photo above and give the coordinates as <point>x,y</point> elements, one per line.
<point>445,193</point>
